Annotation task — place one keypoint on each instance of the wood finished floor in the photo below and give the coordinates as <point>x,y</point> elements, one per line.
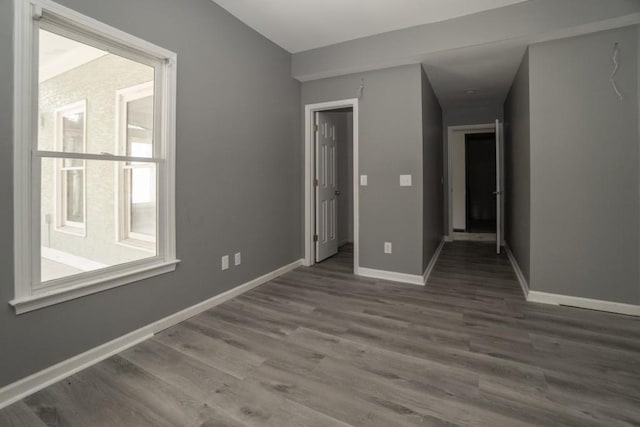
<point>320,347</point>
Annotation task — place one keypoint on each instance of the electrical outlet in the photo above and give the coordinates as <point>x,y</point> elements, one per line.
<point>225,262</point>
<point>387,247</point>
<point>405,180</point>
<point>237,258</point>
<point>364,180</point>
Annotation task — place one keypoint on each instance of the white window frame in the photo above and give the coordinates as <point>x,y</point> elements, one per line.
<point>60,199</point>
<point>124,235</point>
<point>29,16</point>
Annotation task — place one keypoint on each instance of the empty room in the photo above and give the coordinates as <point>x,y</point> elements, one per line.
<point>320,213</point>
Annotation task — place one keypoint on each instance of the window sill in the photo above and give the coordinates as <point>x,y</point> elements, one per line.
<point>98,284</point>
<point>70,229</point>
<point>140,245</point>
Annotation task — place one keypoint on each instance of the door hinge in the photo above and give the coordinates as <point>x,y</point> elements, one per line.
<point>315,182</point>
<point>316,128</point>
<point>315,237</point>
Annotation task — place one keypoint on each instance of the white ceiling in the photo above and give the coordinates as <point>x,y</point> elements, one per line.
<point>299,25</point>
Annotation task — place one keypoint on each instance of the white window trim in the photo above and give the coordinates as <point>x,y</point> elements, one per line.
<point>59,199</point>
<point>124,236</point>
<point>28,295</point>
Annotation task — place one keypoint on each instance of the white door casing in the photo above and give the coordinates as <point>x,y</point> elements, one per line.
<point>458,185</point>
<point>309,177</point>
<point>498,191</point>
<point>326,187</point>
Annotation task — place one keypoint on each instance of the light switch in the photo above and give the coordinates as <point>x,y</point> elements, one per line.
<point>225,262</point>
<point>363,180</point>
<point>405,180</point>
<point>237,258</point>
<point>387,247</point>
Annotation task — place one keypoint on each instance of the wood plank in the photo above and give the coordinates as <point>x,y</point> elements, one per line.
<point>213,352</point>
<point>19,415</point>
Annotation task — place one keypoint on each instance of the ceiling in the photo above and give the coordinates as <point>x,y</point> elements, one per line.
<point>472,77</point>
<point>477,76</point>
<point>299,25</point>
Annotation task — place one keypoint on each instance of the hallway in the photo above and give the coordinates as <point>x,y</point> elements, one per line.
<point>319,346</point>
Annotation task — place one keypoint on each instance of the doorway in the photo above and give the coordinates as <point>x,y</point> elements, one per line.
<point>331,171</point>
<point>333,182</point>
<point>480,183</point>
<point>476,203</point>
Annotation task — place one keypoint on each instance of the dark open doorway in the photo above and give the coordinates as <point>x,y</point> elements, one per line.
<point>480,175</point>
<point>333,173</point>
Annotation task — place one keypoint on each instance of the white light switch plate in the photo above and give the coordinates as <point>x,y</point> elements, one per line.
<point>225,262</point>
<point>363,180</point>
<point>387,247</point>
<point>237,258</point>
<point>405,180</point>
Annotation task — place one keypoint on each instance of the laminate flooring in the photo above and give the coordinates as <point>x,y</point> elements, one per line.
<point>321,347</point>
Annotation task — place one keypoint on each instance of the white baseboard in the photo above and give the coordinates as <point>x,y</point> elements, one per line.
<point>432,263</point>
<point>557,299</point>
<point>592,304</point>
<point>413,279</point>
<point>20,389</point>
<point>521,279</point>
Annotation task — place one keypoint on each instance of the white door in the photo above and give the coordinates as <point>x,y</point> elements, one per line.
<point>498,191</point>
<point>326,185</point>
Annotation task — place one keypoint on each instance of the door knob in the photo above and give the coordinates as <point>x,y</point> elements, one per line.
<point>338,192</point>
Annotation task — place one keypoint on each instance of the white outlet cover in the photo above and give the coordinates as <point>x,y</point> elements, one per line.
<point>225,262</point>
<point>405,180</point>
<point>363,180</point>
<point>237,258</point>
<point>387,247</point>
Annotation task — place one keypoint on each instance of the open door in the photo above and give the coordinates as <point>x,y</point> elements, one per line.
<point>326,185</point>
<point>498,191</point>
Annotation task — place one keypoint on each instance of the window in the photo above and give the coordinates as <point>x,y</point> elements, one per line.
<point>137,186</point>
<point>70,179</point>
<point>94,156</point>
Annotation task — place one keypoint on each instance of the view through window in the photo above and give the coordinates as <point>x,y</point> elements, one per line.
<point>94,213</point>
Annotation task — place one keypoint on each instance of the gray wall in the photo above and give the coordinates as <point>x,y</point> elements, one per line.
<point>475,115</point>
<point>390,144</point>
<point>344,130</point>
<point>432,178</point>
<point>238,139</point>
<point>517,168</point>
<point>584,167</point>
<point>527,20</point>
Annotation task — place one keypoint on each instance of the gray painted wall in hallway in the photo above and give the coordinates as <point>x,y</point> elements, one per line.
<point>390,144</point>
<point>517,168</point>
<point>238,177</point>
<point>584,168</point>
<point>432,170</point>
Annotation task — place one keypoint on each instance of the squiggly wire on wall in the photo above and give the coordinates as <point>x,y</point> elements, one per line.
<point>616,65</point>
